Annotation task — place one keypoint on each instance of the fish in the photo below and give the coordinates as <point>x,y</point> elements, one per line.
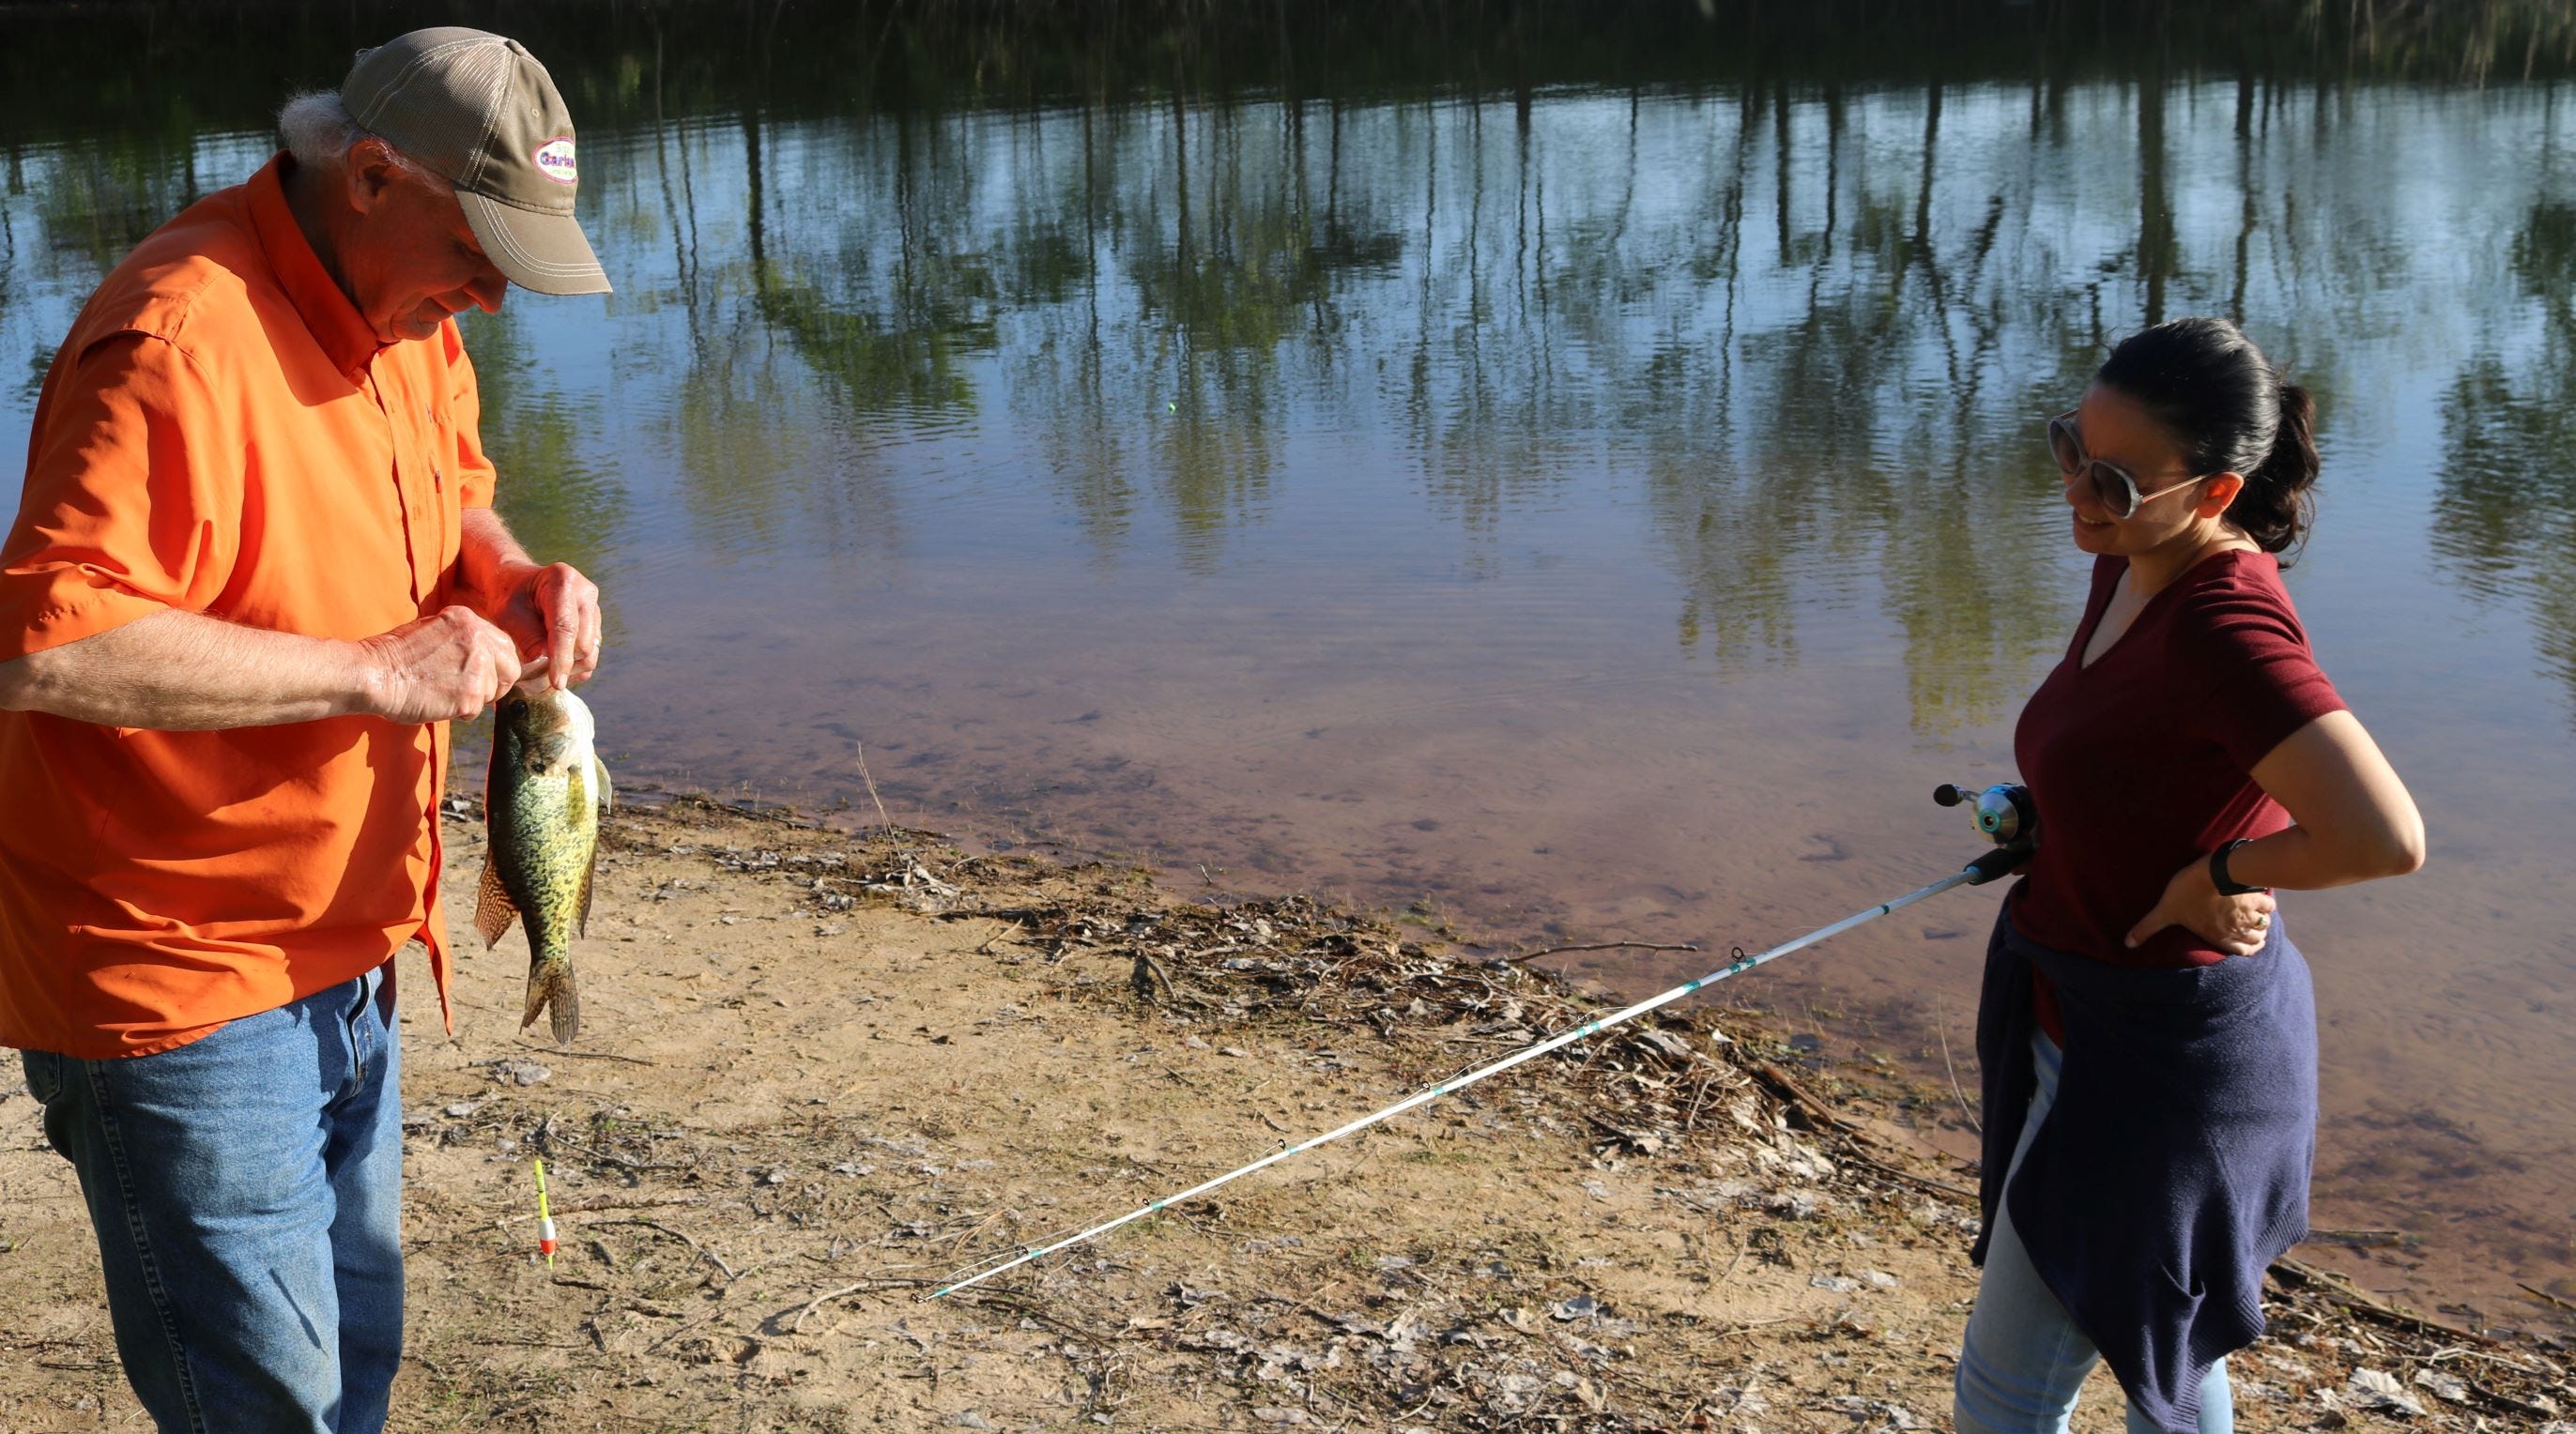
<point>542,804</point>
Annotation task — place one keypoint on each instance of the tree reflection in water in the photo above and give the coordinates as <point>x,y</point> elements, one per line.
<point>2504,508</point>
<point>1791,316</point>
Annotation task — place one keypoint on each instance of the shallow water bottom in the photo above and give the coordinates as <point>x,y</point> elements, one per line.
<point>1561,790</point>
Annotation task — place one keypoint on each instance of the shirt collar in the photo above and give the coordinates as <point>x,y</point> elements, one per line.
<point>334,321</point>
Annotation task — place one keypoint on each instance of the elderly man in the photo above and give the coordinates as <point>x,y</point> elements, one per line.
<point>253,575</point>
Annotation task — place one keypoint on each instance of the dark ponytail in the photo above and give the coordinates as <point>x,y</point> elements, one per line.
<point>2229,410</point>
<point>2279,501</point>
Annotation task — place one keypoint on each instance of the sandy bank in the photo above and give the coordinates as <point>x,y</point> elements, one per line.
<point>820,1071</point>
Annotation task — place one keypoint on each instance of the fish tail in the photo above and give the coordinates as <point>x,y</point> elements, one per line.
<point>550,986</point>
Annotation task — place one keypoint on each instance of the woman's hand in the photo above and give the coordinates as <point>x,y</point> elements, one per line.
<point>2236,925</point>
<point>2351,821</point>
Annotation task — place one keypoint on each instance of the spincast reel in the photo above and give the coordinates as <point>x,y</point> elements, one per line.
<point>2006,815</point>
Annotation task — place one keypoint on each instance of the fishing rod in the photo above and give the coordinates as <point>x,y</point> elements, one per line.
<point>2003,813</point>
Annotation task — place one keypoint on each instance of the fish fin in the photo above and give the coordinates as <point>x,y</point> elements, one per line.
<point>589,870</point>
<point>607,788</point>
<point>550,987</point>
<point>577,793</point>
<point>493,909</point>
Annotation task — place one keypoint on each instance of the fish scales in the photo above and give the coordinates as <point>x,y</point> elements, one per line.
<point>542,805</point>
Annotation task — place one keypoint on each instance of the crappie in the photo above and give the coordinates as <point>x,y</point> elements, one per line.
<point>542,805</point>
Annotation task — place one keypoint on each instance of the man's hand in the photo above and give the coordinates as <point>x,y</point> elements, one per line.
<point>2236,925</point>
<point>444,668</point>
<point>552,613</point>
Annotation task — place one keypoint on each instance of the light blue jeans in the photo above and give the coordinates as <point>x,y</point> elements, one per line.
<point>2024,1359</point>
<point>246,1191</point>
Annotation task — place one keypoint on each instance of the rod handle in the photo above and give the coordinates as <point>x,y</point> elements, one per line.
<point>2000,862</point>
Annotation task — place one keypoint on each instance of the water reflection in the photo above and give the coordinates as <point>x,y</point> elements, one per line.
<point>1803,331</point>
<point>1176,285</point>
<point>557,497</point>
<point>2504,516</point>
<point>73,213</point>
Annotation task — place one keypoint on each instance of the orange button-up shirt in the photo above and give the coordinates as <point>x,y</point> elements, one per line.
<point>221,434</point>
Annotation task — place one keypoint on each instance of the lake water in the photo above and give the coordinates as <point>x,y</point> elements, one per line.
<point>1575,513</point>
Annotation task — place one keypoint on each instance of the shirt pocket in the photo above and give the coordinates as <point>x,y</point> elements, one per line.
<point>434,491</point>
<point>438,443</point>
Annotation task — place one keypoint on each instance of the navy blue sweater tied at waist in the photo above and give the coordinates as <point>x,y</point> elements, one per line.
<point>2173,1168</point>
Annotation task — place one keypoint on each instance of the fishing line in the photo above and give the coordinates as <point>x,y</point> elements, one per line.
<point>2003,813</point>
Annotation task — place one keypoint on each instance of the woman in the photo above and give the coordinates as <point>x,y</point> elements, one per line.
<point>2147,1032</point>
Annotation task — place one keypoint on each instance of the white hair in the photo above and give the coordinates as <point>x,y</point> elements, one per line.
<point>318,130</point>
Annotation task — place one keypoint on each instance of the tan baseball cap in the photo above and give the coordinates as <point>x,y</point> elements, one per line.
<point>479,110</point>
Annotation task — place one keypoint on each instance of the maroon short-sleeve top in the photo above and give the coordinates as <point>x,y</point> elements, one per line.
<point>2145,760</point>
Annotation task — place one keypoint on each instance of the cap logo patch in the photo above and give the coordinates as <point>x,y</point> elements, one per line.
<point>554,161</point>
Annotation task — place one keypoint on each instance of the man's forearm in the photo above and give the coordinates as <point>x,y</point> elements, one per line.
<point>186,672</point>
<point>487,561</point>
<point>550,610</point>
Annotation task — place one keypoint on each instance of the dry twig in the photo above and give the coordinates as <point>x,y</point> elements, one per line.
<point>1597,946</point>
<point>1956,1094</point>
<point>2545,1296</point>
<point>711,1256</point>
<point>534,1048</point>
<point>862,750</point>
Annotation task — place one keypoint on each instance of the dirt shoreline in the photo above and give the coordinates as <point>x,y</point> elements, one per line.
<point>821,1071</point>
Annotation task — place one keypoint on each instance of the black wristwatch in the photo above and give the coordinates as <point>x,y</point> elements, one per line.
<point>2227,885</point>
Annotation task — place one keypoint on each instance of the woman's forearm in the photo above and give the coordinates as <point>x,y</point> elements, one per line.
<point>2297,859</point>
<point>2355,820</point>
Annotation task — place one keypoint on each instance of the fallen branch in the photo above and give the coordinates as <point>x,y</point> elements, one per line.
<point>795,1324</point>
<point>1787,1087</point>
<point>2544,1296</point>
<point>711,1256</point>
<point>1006,935</point>
<point>785,1322</point>
<point>1595,946</point>
<point>1909,1177</point>
<point>2364,1239</point>
<point>2298,1274</point>
<point>611,1157</point>
<point>587,1055</point>
<point>589,1203</point>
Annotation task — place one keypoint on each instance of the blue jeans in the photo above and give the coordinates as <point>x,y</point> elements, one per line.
<point>246,1192</point>
<point>2024,1359</point>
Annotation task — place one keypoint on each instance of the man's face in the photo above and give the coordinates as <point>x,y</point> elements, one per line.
<point>410,259</point>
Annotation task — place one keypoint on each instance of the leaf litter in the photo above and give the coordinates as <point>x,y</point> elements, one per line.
<point>1673,1225</point>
